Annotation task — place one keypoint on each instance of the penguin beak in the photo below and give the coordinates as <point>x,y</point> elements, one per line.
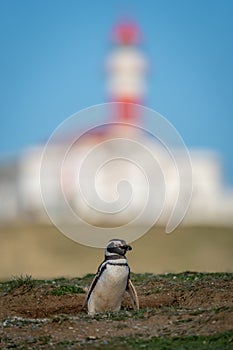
<point>126,247</point>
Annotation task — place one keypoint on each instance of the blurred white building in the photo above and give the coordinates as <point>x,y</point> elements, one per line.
<point>20,191</point>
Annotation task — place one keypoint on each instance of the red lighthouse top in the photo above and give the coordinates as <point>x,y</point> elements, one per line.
<point>126,33</point>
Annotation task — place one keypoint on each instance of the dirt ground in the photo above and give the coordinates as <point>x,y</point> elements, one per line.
<point>48,314</point>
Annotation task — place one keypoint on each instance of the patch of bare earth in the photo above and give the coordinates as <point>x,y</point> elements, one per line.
<point>168,307</point>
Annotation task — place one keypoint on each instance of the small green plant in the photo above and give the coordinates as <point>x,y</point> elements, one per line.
<point>16,282</point>
<point>21,281</point>
<point>67,289</point>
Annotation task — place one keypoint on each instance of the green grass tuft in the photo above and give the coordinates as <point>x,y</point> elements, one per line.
<point>67,289</point>
<point>17,281</point>
<point>25,281</point>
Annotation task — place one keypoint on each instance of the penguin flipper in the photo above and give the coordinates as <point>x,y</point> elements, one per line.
<point>133,294</point>
<point>93,283</point>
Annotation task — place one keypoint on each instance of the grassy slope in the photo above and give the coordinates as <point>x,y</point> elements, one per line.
<point>64,286</point>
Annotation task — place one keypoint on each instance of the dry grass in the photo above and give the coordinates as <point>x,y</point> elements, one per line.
<point>43,252</point>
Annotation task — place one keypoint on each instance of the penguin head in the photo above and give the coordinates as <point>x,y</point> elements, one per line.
<point>117,247</point>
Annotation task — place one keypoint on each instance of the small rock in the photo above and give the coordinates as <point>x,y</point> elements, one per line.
<point>91,337</point>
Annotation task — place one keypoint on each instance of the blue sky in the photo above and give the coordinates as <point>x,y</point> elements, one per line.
<point>52,58</point>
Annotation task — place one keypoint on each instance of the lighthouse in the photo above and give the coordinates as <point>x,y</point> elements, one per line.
<point>126,70</point>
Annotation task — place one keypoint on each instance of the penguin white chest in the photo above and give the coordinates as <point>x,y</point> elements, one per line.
<point>109,289</point>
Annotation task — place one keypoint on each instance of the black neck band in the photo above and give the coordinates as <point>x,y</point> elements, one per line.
<point>114,257</point>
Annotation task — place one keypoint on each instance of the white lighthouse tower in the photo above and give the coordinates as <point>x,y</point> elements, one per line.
<point>126,67</point>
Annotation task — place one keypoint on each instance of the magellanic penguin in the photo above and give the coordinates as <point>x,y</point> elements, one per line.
<point>111,281</point>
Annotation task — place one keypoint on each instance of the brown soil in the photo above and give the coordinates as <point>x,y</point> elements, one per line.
<point>169,307</point>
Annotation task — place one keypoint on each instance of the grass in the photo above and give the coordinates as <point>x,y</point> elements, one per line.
<point>190,276</point>
<point>214,342</point>
<point>16,282</point>
<point>25,281</point>
<point>60,286</point>
<point>217,341</point>
<point>187,276</point>
<point>67,289</point>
